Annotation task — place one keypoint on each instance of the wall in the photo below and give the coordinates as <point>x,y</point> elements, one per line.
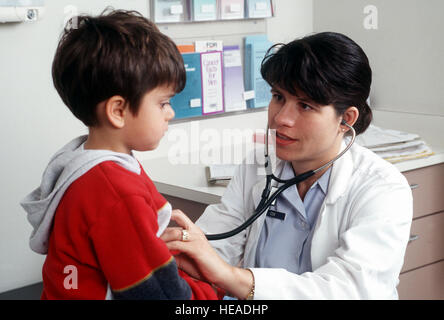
<point>35,122</point>
<point>406,52</point>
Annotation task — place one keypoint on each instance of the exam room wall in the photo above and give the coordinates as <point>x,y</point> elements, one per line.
<point>35,123</point>
<point>406,51</point>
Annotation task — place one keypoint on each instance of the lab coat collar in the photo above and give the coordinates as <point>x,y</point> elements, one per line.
<point>340,176</point>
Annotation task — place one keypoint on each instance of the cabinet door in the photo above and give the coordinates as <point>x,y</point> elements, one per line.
<point>423,283</point>
<point>427,244</point>
<point>428,188</point>
<point>191,208</point>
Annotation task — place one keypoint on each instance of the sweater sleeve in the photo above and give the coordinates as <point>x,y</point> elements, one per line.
<point>135,262</point>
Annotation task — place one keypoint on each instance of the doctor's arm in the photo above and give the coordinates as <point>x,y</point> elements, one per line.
<point>365,265</point>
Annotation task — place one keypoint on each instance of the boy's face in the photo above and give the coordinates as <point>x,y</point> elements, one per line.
<point>144,131</point>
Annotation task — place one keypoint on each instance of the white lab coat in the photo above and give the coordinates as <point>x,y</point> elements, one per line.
<point>360,236</point>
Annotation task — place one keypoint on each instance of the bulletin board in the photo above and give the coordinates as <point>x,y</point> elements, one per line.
<point>230,83</point>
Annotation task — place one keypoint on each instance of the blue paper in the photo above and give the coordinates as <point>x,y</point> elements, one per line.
<point>188,103</point>
<point>255,49</point>
<point>258,8</point>
<point>204,10</point>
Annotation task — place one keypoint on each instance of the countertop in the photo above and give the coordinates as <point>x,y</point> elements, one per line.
<point>188,181</point>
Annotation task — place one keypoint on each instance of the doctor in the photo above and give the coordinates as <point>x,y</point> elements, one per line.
<point>342,233</point>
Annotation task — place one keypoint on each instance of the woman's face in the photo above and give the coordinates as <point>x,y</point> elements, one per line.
<point>307,134</point>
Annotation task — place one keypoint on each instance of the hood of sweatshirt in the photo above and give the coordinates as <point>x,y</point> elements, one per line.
<point>67,165</point>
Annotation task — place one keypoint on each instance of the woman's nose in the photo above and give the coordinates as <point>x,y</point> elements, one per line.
<point>286,116</point>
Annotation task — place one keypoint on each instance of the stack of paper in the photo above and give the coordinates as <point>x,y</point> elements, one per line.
<point>392,145</point>
<point>217,172</point>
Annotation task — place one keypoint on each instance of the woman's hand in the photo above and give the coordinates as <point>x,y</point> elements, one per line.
<point>197,257</point>
<point>200,260</point>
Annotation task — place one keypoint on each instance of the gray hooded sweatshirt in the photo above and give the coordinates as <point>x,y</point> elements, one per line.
<point>67,165</point>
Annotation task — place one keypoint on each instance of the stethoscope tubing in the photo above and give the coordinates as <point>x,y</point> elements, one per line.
<point>266,199</point>
<point>263,205</point>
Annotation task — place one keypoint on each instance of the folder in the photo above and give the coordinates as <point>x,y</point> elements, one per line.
<point>255,49</point>
<point>170,10</point>
<point>233,80</point>
<point>186,48</point>
<point>258,8</point>
<point>188,103</point>
<point>232,9</point>
<point>204,10</point>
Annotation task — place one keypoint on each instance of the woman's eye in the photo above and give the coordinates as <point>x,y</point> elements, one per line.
<point>306,107</point>
<point>163,104</point>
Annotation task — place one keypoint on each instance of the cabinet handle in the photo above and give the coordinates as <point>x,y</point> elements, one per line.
<point>414,186</point>
<point>413,237</point>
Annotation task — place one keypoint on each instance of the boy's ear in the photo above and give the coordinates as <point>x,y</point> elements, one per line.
<point>115,110</point>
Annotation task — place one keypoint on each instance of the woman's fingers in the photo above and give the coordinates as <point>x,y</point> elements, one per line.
<point>180,246</point>
<point>181,219</point>
<point>172,234</point>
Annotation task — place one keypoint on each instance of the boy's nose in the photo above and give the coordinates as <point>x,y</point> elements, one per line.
<point>170,113</point>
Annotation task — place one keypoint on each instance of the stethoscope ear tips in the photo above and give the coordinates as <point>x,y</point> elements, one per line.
<point>344,123</point>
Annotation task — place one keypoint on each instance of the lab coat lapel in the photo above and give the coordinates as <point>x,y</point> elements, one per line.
<point>325,233</point>
<point>340,176</point>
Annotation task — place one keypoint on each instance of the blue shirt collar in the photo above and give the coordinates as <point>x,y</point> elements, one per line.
<point>322,182</point>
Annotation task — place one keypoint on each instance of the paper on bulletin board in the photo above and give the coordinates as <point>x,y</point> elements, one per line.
<point>233,79</point>
<point>232,9</point>
<point>212,83</point>
<point>170,10</point>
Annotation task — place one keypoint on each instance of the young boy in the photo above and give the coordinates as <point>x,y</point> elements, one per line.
<point>96,214</point>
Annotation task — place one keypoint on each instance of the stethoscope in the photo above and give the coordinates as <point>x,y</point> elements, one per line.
<point>266,199</point>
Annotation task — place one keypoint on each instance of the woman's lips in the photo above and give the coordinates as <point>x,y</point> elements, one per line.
<point>282,139</point>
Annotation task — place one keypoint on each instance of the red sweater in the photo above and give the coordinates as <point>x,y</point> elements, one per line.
<point>104,234</point>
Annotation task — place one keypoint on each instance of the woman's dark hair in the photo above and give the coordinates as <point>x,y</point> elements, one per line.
<point>117,53</point>
<point>328,67</point>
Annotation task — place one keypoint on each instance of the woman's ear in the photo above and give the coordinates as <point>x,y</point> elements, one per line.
<point>115,110</point>
<point>350,116</point>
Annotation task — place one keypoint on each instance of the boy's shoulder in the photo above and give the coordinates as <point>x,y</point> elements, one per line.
<point>110,179</point>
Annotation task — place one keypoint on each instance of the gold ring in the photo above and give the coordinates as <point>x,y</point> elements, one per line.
<point>185,235</point>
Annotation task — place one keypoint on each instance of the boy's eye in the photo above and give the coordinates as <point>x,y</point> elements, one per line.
<point>277,96</point>
<point>163,104</point>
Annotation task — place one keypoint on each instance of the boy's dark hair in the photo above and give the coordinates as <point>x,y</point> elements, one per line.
<point>117,53</point>
<point>328,67</point>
